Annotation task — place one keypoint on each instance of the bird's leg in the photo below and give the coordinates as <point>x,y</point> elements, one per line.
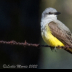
<point>52,48</point>
<point>55,49</point>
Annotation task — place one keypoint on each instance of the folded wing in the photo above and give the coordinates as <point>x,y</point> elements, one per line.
<point>63,35</point>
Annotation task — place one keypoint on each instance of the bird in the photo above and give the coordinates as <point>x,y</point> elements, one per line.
<point>53,31</point>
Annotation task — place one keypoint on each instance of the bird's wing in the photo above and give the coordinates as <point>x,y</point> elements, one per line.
<point>63,35</point>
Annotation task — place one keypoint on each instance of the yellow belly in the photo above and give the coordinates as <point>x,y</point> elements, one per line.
<point>50,39</point>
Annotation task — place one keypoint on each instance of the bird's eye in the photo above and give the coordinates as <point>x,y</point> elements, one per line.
<point>50,13</point>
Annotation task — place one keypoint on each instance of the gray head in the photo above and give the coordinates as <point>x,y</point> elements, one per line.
<point>50,12</point>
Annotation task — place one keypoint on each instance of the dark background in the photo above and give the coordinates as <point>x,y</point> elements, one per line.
<point>19,21</point>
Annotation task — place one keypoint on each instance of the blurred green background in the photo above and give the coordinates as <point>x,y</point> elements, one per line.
<point>60,59</point>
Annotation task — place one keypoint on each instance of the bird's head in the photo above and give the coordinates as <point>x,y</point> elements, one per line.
<point>50,13</point>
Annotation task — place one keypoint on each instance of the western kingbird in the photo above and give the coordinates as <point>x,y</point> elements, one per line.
<point>53,31</point>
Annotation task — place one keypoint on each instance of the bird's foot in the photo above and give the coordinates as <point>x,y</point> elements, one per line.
<point>54,48</point>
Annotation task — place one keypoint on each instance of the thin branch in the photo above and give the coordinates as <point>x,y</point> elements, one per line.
<point>22,43</point>
<point>30,44</point>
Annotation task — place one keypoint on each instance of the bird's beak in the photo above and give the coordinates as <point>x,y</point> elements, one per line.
<point>57,13</point>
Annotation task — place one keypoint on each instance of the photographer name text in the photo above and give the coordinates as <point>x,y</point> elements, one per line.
<point>19,66</point>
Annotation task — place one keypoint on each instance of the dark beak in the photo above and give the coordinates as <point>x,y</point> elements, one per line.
<point>57,13</point>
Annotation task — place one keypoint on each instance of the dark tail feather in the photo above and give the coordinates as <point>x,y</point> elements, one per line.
<point>69,50</point>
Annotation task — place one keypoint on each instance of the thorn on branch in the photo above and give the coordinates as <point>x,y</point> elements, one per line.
<point>25,42</point>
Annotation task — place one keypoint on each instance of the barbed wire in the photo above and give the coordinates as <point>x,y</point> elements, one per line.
<point>30,44</point>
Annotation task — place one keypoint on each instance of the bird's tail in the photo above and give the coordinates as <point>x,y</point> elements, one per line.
<point>69,50</point>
